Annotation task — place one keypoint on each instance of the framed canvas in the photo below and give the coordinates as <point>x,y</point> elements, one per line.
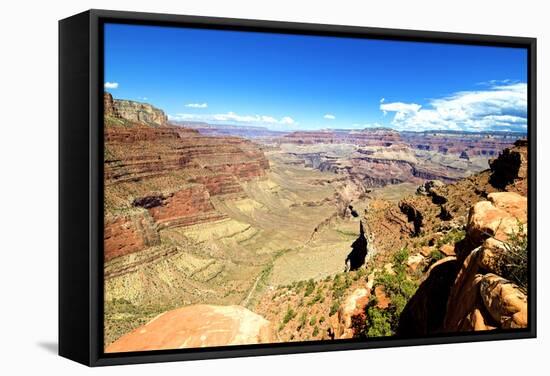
<point>236,187</point>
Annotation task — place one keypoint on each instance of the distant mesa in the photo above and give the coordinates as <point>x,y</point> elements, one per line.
<point>133,111</point>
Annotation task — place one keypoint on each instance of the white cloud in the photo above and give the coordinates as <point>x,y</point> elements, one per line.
<point>197,105</point>
<point>232,117</point>
<point>329,116</point>
<point>502,106</point>
<point>287,120</point>
<point>382,100</point>
<point>111,85</point>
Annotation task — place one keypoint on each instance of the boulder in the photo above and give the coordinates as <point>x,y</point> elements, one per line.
<point>498,218</point>
<point>490,258</point>
<point>426,251</point>
<point>514,204</point>
<point>448,250</point>
<point>197,326</point>
<point>414,261</point>
<point>504,301</point>
<point>463,296</point>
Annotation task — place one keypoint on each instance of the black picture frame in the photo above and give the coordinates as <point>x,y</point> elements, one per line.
<point>81,184</point>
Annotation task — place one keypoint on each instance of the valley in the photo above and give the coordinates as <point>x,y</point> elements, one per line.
<point>249,231</point>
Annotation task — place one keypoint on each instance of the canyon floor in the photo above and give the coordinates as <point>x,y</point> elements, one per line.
<point>286,230</point>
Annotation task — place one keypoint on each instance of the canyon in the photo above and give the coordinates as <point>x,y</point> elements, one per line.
<point>246,232</point>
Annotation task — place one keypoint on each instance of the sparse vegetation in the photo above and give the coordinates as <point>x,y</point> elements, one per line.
<point>513,263</point>
<point>399,288</point>
<point>289,315</point>
<point>315,331</point>
<point>309,287</point>
<point>435,256</point>
<point>379,322</point>
<point>341,283</point>
<point>313,320</point>
<point>334,308</point>
<point>451,237</point>
<point>302,322</point>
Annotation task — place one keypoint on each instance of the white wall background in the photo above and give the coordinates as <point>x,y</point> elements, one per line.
<point>28,184</point>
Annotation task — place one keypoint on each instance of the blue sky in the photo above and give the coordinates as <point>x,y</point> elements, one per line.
<point>288,82</point>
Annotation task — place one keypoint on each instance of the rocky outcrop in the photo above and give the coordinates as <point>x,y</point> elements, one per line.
<point>509,170</point>
<point>133,111</point>
<point>414,216</point>
<point>197,326</point>
<point>473,285</point>
<point>109,108</point>
<point>444,207</point>
<point>497,218</point>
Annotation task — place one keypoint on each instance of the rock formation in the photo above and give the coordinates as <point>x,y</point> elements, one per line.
<point>380,157</point>
<point>132,111</point>
<point>197,326</point>
<point>470,293</point>
<point>171,172</point>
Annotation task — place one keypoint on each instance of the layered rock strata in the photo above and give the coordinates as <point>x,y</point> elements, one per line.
<point>171,172</point>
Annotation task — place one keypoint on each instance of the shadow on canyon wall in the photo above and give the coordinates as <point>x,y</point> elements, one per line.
<point>356,258</point>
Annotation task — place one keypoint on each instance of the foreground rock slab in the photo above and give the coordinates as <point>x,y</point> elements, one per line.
<point>197,326</point>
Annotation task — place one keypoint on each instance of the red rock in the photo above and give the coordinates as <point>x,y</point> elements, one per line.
<point>128,234</point>
<point>448,249</point>
<point>197,326</point>
<point>187,206</point>
<point>353,306</point>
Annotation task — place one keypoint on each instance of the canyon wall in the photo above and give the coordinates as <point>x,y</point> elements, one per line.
<point>170,172</point>
<point>465,144</point>
<point>381,157</point>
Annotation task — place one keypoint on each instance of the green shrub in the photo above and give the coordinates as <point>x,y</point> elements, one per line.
<point>399,289</point>
<point>289,315</point>
<point>340,285</point>
<point>334,307</point>
<point>313,320</point>
<point>315,331</point>
<point>319,297</point>
<point>378,322</point>
<point>435,256</point>
<point>451,237</point>
<point>302,322</point>
<point>309,287</point>
<point>513,263</point>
